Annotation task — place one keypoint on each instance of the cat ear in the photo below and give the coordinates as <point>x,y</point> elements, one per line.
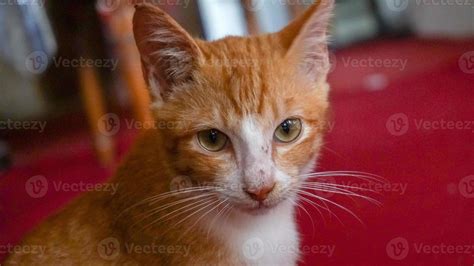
<point>168,53</point>
<point>306,39</point>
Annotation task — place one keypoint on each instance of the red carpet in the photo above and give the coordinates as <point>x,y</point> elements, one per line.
<point>397,124</point>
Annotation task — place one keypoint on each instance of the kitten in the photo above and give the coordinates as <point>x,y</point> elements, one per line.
<point>238,126</point>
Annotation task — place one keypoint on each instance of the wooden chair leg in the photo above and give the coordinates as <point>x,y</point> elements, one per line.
<point>120,24</point>
<point>94,103</point>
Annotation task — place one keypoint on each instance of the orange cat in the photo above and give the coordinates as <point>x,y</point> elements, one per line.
<point>219,185</point>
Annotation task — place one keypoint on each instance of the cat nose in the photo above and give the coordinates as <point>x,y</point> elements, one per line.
<point>260,194</point>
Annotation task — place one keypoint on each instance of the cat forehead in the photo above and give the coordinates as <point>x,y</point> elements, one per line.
<point>241,52</point>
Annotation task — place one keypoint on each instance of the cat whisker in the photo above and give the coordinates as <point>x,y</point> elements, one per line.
<point>357,174</point>
<point>314,205</point>
<point>215,218</point>
<point>182,191</point>
<point>333,203</point>
<point>317,206</point>
<point>153,211</point>
<point>301,206</point>
<point>153,199</point>
<point>315,182</point>
<point>341,192</point>
<point>205,214</point>
<point>177,212</point>
<point>196,212</point>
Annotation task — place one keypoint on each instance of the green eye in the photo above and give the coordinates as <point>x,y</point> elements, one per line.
<point>289,130</point>
<point>212,140</point>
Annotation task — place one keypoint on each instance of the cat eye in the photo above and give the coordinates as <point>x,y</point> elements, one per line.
<point>212,140</point>
<point>289,130</point>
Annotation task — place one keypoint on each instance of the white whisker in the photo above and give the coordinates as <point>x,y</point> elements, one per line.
<point>332,202</point>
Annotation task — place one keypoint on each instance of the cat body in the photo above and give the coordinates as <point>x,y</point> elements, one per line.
<point>219,184</point>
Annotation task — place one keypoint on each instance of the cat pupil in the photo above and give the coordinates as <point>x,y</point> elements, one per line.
<point>213,136</point>
<point>286,126</point>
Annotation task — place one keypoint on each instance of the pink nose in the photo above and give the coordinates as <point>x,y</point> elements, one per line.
<point>261,193</point>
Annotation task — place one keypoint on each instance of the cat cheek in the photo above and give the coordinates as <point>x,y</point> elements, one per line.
<point>293,158</point>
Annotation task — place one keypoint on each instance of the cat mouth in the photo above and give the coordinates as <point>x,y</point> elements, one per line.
<point>261,208</point>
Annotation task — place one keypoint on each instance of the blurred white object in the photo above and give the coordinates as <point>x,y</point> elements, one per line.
<point>272,16</point>
<point>222,18</point>
<point>353,22</point>
<point>26,47</point>
<point>441,19</point>
<point>375,82</point>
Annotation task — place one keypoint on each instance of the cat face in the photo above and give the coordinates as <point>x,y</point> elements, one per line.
<point>248,113</point>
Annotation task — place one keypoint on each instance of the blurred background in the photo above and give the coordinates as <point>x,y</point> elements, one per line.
<point>72,99</point>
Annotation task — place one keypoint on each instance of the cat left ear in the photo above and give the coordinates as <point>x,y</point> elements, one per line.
<point>306,39</point>
<point>168,53</point>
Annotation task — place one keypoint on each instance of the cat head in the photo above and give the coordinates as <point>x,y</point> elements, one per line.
<point>248,113</point>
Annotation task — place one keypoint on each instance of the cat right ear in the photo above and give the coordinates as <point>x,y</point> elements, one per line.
<point>168,53</point>
<point>306,40</point>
